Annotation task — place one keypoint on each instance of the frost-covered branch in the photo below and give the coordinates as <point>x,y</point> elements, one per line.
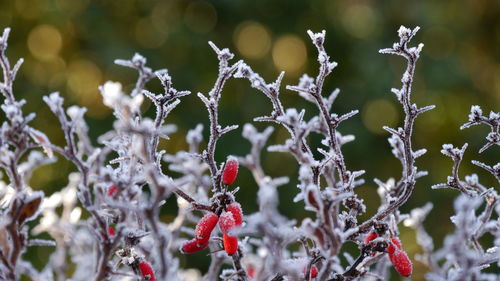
<point>476,117</point>
<point>400,139</point>
<point>463,255</point>
<point>211,102</point>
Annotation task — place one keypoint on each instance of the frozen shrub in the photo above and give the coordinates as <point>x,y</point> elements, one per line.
<point>122,237</point>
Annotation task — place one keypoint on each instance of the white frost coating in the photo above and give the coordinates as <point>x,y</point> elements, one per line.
<point>112,93</point>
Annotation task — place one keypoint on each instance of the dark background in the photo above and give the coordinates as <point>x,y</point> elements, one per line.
<point>69,46</point>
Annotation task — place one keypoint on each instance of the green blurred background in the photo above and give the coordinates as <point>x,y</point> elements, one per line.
<point>69,46</point>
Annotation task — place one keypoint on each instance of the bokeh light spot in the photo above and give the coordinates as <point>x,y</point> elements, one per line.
<point>289,53</point>
<point>252,40</point>
<point>84,77</point>
<point>200,16</point>
<point>379,113</point>
<point>44,42</point>
<point>360,21</point>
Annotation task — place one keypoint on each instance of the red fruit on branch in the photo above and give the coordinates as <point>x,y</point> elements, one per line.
<point>399,258</point>
<point>193,246</point>
<point>401,262</point>
<point>205,226</point>
<point>230,171</point>
<point>235,209</point>
<point>230,244</point>
<point>112,190</point>
<point>147,271</point>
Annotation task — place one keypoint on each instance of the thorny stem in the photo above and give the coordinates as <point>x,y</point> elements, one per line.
<point>240,271</point>
<point>191,200</point>
<point>491,201</point>
<point>411,113</point>
<point>21,144</point>
<point>327,118</point>
<point>212,105</point>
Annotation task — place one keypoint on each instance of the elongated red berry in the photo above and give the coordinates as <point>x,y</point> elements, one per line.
<point>112,190</point>
<point>230,170</point>
<point>370,236</point>
<point>230,244</point>
<point>193,246</point>
<point>401,262</point>
<point>235,209</point>
<point>226,222</point>
<point>111,231</point>
<point>147,271</point>
<point>205,226</point>
<point>251,271</point>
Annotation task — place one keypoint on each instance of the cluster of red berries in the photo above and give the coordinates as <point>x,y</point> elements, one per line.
<point>228,220</point>
<point>397,255</point>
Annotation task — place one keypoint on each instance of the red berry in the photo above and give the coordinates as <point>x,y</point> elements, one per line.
<point>401,262</point>
<point>205,226</point>
<point>370,236</point>
<point>193,246</point>
<point>251,272</point>
<point>226,222</point>
<point>230,244</point>
<point>235,209</point>
<point>230,171</point>
<point>112,190</point>
<point>147,270</point>
<point>314,271</point>
<point>111,231</point>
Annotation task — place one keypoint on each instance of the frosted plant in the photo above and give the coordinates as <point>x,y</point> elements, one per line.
<point>105,223</point>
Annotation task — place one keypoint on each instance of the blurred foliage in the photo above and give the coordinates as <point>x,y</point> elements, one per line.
<point>70,45</point>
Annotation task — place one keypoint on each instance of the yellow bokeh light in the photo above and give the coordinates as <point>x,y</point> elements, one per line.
<point>44,42</point>
<point>379,113</point>
<point>360,21</point>
<point>252,40</point>
<point>200,16</point>
<point>289,53</point>
<point>84,77</point>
